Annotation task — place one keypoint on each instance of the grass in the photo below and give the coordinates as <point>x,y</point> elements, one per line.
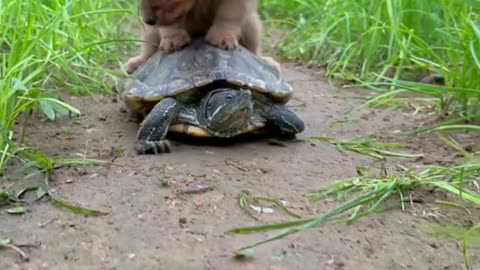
<point>34,176</point>
<point>246,202</point>
<point>368,194</point>
<point>468,237</point>
<point>391,47</point>
<point>50,47</point>
<point>387,45</point>
<point>368,146</point>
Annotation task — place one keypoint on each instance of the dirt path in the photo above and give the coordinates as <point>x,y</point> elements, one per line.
<point>151,228</point>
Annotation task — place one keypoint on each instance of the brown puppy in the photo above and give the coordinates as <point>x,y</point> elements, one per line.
<point>171,24</point>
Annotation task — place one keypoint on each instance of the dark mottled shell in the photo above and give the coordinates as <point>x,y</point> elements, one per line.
<point>198,65</point>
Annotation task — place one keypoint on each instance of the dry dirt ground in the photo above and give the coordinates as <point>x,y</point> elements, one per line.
<point>150,227</point>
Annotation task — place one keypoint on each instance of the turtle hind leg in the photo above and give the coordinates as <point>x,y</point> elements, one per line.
<point>282,122</point>
<point>151,137</point>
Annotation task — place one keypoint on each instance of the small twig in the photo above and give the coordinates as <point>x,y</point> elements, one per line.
<point>23,128</point>
<point>233,164</point>
<point>42,225</point>
<point>24,255</point>
<point>412,201</point>
<point>35,244</point>
<point>196,188</point>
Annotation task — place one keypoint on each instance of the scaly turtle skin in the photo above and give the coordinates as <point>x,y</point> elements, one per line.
<point>205,91</point>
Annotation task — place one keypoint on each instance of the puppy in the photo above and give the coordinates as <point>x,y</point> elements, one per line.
<point>171,24</point>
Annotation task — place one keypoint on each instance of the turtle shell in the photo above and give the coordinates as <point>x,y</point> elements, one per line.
<point>198,65</point>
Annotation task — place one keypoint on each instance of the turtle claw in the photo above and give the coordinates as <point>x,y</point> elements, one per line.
<point>153,147</point>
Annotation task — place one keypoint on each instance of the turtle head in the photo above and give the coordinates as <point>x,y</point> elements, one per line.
<point>228,109</point>
<point>164,12</point>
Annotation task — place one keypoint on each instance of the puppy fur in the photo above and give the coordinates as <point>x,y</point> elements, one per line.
<point>171,24</point>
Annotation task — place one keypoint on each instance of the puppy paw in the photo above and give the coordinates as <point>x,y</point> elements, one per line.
<point>175,41</point>
<point>134,63</point>
<point>273,63</point>
<point>222,39</point>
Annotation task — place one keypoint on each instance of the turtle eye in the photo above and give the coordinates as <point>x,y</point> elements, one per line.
<point>229,97</point>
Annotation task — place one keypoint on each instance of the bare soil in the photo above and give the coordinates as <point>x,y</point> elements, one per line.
<point>152,227</point>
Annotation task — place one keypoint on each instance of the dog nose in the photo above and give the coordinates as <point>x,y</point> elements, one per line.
<point>150,20</point>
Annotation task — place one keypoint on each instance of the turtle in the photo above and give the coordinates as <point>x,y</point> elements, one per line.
<point>206,91</point>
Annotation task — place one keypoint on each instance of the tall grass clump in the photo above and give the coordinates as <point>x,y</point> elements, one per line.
<point>372,41</point>
<point>51,46</point>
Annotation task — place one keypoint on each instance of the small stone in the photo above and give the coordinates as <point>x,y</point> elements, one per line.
<point>182,220</point>
<point>69,180</point>
<point>264,171</point>
<point>131,256</point>
<point>365,117</point>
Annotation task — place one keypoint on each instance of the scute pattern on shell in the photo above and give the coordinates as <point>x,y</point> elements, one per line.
<point>198,65</point>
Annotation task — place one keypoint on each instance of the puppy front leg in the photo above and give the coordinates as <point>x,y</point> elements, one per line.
<point>227,25</point>
<point>149,47</point>
<point>251,39</point>
<point>251,36</point>
<point>174,37</point>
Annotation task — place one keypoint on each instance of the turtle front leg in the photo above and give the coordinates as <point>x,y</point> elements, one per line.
<point>283,122</point>
<point>153,130</point>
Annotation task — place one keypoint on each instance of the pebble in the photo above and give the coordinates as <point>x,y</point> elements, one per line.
<point>69,181</point>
